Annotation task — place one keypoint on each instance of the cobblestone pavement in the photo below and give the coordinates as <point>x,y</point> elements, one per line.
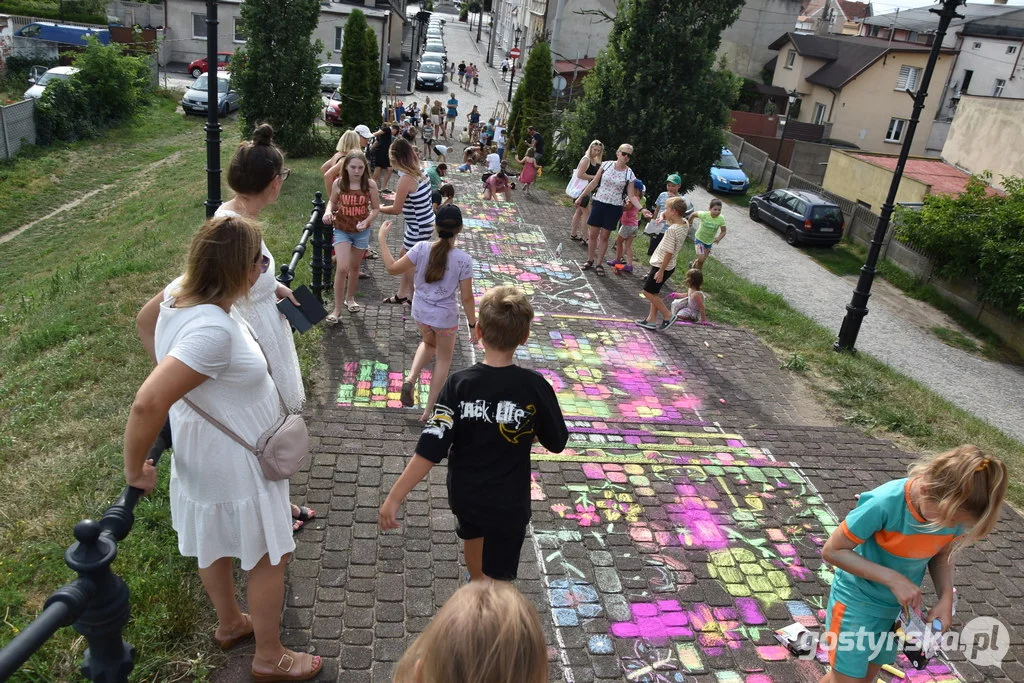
<point>680,527</point>
<point>991,391</point>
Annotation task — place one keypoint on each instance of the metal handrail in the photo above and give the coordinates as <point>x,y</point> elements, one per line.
<point>316,229</point>
<point>97,602</point>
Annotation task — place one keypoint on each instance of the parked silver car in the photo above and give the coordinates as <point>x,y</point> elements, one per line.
<point>195,99</point>
<point>330,76</point>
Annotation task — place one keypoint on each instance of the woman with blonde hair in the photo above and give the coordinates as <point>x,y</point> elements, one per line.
<point>222,507</point>
<point>585,172</point>
<point>487,632</point>
<point>412,200</point>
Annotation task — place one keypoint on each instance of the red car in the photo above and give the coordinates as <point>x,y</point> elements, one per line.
<point>200,66</point>
<point>333,109</point>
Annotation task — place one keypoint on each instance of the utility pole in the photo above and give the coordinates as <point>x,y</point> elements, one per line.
<point>858,306</point>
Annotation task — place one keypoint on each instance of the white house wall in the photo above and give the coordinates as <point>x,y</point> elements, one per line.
<point>988,62</point>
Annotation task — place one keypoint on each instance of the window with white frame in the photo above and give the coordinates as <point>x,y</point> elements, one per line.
<point>1011,49</point>
<point>790,59</point>
<point>239,35</point>
<point>819,114</point>
<point>897,128</point>
<point>909,77</point>
<point>199,26</point>
<point>998,90</point>
<point>339,37</point>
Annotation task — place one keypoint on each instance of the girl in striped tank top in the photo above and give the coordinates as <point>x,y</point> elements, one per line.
<point>412,200</point>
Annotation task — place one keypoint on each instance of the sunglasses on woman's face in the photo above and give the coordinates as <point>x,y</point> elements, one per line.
<point>625,154</point>
<point>263,261</point>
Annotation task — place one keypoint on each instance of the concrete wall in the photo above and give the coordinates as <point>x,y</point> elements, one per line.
<point>862,181</point>
<point>575,35</point>
<point>140,13</point>
<point>809,160</point>
<point>761,22</point>
<point>985,136</point>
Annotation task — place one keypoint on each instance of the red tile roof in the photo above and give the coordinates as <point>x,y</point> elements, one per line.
<point>943,178</point>
<point>580,66</point>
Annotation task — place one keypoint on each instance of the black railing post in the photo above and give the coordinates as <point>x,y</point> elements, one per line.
<point>311,229</point>
<point>109,659</point>
<point>320,263</point>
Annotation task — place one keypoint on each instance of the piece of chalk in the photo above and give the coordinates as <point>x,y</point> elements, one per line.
<point>721,400</point>
<point>720,355</point>
<point>890,669</point>
<point>707,345</point>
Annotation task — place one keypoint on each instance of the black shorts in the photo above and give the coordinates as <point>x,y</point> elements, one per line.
<point>655,287</point>
<point>604,216</point>
<point>502,547</point>
<point>655,241</point>
<point>435,196</point>
<point>380,161</point>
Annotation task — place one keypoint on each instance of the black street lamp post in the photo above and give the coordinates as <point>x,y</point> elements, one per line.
<point>792,100</point>
<point>512,78</point>
<point>858,306</point>
<point>212,112</point>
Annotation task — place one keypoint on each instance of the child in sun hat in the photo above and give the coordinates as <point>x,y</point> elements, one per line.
<point>628,226</point>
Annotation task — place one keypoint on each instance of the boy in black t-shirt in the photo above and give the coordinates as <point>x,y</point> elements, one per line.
<point>485,421</point>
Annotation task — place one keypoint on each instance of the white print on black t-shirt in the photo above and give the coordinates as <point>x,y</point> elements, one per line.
<point>476,410</point>
<point>440,421</point>
<point>513,420</point>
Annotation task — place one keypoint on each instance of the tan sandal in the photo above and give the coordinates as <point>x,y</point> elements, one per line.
<point>228,643</point>
<point>286,670</point>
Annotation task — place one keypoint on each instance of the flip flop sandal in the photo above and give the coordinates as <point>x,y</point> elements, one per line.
<point>332,320</point>
<point>305,515</point>
<point>408,400</point>
<point>587,266</point>
<point>575,238</point>
<point>599,269</point>
<point>395,300</point>
<point>363,275</point>
<point>228,643</point>
<point>286,670</point>
<point>353,307</point>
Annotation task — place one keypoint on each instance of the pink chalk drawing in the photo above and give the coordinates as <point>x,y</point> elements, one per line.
<point>536,492</point>
<point>656,622</point>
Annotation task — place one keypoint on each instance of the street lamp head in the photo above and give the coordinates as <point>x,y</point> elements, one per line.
<point>519,32</point>
<point>793,96</point>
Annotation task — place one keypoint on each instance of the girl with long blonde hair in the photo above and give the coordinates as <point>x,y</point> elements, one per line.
<point>412,200</point>
<point>586,169</point>
<point>881,550</point>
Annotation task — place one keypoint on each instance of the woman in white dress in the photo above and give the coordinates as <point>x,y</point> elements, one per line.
<point>256,174</point>
<point>222,507</point>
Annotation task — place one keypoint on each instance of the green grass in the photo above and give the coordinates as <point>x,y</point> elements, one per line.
<point>856,389</point>
<point>846,259</point>
<point>742,200</point>
<point>70,363</point>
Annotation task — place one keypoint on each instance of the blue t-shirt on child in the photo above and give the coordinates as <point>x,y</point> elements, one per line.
<point>889,531</point>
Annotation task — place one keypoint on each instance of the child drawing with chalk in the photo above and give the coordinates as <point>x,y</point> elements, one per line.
<point>882,548</point>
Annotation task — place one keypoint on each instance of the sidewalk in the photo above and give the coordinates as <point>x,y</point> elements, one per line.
<point>681,526</point>
<point>991,391</point>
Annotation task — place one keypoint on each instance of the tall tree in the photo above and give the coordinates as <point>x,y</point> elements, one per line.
<point>276,72</point>
<point>656,87</point>
<point>531,105</point>
<point>360,78</point>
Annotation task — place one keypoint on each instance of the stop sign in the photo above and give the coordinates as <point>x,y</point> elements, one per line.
<point>515,53</point>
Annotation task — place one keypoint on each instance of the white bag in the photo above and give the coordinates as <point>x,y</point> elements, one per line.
<point>576,186</point>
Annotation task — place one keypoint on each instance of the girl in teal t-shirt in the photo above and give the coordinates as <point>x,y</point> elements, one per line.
<point>883,547</point>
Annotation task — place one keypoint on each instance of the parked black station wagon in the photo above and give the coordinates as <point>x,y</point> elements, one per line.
<point>803,217</point>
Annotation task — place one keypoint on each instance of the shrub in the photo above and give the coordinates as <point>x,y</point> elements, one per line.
<point>17,66</point>
<point>109,88</point>
<point>974,236</point>
<point>360,79</point>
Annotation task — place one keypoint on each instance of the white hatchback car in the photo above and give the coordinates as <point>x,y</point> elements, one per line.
<point>330,76</point>
<point>57,73</point>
